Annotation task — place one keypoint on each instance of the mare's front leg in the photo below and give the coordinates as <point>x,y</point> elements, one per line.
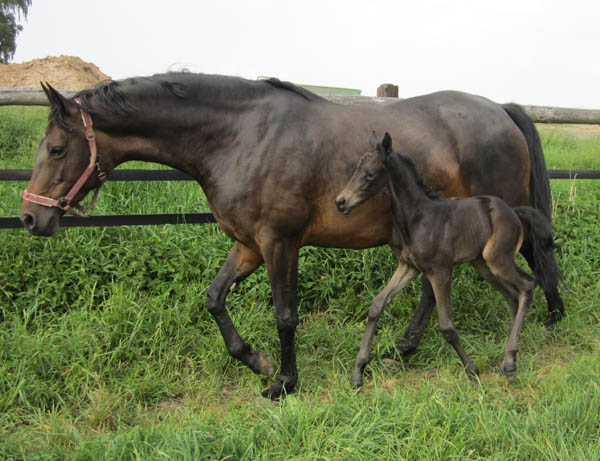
<point>403,275</point>
<point>240,263</point>
<point>281,258</point>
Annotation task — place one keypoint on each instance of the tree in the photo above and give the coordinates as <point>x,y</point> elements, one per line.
<point>9,29</point>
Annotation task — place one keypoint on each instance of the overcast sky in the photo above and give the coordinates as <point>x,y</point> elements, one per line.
<point>531,52</point>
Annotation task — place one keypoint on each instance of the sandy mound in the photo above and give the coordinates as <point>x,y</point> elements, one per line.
<point>62,72</point>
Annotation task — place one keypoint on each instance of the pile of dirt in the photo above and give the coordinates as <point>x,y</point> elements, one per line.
<point>62,72</point>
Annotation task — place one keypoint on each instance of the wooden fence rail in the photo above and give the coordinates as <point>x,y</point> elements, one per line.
<point>539,114</point>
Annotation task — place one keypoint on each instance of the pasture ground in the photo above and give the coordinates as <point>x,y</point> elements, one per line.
<point>107,351</point>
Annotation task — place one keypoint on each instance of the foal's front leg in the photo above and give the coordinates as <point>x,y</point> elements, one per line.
<point>441,281</point>
<point>412,336</point>
<point>403,275</point>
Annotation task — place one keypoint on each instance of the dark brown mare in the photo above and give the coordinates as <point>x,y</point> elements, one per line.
<point>431,234</point>
<point>271,158</point>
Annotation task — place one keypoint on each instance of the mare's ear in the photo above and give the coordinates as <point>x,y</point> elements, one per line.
<point>387,144</point>
<point>56,99</point>
<point>373,141</point>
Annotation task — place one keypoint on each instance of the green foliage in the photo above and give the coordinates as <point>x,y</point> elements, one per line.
<point>21,128</point>
<point>9,29</point>
<point>107,350</point>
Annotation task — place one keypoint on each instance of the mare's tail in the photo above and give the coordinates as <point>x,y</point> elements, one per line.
<point>545,267</point>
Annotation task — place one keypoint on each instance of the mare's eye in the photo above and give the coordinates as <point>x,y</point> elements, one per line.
<point>57,151</point>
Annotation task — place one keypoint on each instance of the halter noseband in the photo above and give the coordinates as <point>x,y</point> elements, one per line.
<point>64,203</point>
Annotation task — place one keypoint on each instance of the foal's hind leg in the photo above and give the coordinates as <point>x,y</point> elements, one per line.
<point>524,283</point>
<point>403,275</point>
<point>240,263</point>
<point>506,290</point>
<point>441,281</point>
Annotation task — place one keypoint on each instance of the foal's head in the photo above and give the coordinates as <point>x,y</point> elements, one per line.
<point>369,177</point>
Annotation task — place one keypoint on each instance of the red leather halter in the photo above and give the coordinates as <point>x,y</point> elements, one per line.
<point>64,203</point>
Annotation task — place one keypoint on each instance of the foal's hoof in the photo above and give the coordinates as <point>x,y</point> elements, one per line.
<point>356,381</point>
<point>400,351</point>
<point>473,374</point>
<point>509,371</point>
<point>265,364</point>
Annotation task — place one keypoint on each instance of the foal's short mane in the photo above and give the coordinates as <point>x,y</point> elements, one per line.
<point>115,97</point>
<point>409,166</point>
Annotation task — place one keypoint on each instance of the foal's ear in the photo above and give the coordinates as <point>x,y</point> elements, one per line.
<point>387,144</point>
<point>56,99</point>
<point>373,141</point>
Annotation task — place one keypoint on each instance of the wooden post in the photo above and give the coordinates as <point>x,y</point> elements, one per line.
<point>387,90</point>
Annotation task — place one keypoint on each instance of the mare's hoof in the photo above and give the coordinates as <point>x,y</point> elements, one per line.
<point>555,317</point>
<point>278,390</point>
<point>265,364</point>
<point>553,320</point>
<point>272,393</point>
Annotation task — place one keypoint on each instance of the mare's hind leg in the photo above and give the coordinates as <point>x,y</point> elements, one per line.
<point>441,281</point>
<point>240,263</point>
<point>403,275</point>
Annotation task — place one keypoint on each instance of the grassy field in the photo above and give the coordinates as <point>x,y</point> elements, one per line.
<point>107,351</point>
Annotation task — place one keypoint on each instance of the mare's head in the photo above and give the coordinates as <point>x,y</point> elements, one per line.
<point>369,177</point>
<point>65,170</point>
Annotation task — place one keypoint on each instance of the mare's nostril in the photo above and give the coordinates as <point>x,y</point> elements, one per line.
<point>28,220</point>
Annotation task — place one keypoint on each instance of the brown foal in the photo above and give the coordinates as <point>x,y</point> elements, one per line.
<point>431,235</point>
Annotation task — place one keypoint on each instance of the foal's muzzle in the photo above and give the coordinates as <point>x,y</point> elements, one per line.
<point>343,205</point>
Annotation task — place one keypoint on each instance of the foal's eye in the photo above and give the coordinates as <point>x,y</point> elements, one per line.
<point>57,151</point>
<point>370,176</point>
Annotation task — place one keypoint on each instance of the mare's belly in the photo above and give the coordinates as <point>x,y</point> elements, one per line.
<point>368,225</point>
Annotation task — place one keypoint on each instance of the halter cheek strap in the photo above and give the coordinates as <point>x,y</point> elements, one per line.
<point>64,203</point>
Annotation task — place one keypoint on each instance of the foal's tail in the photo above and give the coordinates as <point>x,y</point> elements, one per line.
<point>544,266</point>
<point>539,229</point>
<point>538,225</point>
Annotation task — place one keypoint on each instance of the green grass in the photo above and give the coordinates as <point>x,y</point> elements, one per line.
<point>107,351</point>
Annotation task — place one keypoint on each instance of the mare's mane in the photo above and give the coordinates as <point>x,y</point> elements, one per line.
<point>115,97</point>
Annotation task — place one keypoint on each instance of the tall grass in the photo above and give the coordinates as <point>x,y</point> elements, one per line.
<point>107,351</point>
